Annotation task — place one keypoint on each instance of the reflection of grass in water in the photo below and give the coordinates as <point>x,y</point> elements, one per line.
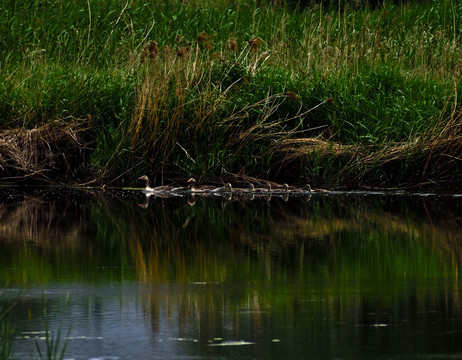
<point>216,241</point>
<point>257,244</point>
<point>228,257</point>
<point>338,245</point>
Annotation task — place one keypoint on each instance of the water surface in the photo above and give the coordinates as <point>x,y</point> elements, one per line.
<point>337,276</point>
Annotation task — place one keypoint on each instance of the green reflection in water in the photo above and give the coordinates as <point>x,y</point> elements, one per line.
<point>318,274</point>
<point>335,244</point>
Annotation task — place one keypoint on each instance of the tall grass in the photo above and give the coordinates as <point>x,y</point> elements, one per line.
<point>210,87</point>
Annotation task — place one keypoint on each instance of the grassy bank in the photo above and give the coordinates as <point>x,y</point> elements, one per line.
<point>106,90</point>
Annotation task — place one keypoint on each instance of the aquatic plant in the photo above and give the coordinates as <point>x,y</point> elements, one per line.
<point>55,344</point>
<point>7,329</point>
<point>7,334</point>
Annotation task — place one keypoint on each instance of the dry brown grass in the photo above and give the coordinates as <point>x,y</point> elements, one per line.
<point>52,149</point>
<point>435,158</point>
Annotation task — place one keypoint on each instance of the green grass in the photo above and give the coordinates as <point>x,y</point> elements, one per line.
<point>374,76</point>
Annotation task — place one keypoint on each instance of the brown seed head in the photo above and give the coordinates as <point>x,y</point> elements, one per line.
<point>153,49</point>
<point>181,52</point>
<point>292,95</point>
<point>254,43</point>
<point>179,38</point>
<point>232,45</point>
<point>203,37</point>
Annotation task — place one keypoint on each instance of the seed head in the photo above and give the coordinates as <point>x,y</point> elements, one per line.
<point>292,95</point>
<point>232,45</point>
<point>153,49</point>
<point>203,37</point>
<point>254,43</point>
<point>181,52</point>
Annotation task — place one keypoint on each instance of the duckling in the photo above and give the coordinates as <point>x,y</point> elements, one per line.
<point>192,187</point>
<point>228,188</point>
<point>310,190</point>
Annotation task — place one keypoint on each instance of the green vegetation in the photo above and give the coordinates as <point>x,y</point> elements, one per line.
<point>352,95</point>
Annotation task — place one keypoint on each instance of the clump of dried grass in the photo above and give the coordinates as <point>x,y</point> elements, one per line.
<point>433,159</point>
<point>53,149</point>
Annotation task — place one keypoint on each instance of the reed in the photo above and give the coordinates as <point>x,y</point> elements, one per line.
<point>212,88</point>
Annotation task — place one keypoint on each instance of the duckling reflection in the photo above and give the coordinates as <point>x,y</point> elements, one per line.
<point>285,192</point>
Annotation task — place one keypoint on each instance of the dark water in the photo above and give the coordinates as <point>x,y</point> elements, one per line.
<point>338,276</point>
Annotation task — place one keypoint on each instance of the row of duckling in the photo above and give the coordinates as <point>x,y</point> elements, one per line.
<point>193,188</point>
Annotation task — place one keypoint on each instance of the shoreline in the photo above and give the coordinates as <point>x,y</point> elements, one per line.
<point>369,164</point>
<point>355,96</point>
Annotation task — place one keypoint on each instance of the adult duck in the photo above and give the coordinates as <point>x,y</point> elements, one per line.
<point>158,189</point>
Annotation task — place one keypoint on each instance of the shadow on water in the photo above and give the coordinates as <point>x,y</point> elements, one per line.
<point>331,276</point>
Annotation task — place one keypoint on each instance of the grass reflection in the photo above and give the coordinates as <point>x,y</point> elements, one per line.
<point>334,267</point>
<point>334,243</point>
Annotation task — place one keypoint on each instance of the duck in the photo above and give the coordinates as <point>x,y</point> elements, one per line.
<point>146,179</point>
<point>265,189</point>
<point>192,187</point>
<point>308,188</point>
<point>285,192</point>
<point>228,188</point>
<point>250,192</point>
<point>244,191</point>
<point>226,191</point>
<point>158,189</point>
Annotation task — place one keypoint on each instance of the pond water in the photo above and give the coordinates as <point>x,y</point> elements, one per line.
<point>331,276</point>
